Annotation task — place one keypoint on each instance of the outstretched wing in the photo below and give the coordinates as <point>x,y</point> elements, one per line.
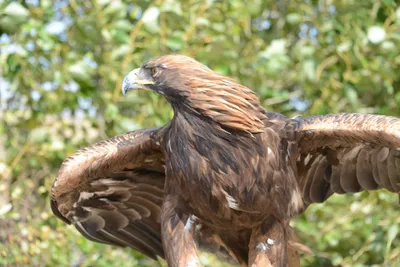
<point>112,192</point>
<point>347,153</point>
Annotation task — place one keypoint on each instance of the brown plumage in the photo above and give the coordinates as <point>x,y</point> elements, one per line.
<point>223,172</point>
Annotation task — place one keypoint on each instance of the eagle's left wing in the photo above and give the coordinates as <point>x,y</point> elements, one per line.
<point>346,153</point>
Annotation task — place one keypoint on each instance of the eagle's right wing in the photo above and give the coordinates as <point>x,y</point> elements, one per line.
<point>112,191</point>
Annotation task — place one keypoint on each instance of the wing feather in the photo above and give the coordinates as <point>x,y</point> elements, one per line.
<point>364,175</point>
<point>335,180</point>
<point>319,187</point>
<point>347,153</point>
<point>392,171</point>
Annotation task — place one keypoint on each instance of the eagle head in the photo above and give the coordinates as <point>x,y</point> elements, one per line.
<point>190,86</point>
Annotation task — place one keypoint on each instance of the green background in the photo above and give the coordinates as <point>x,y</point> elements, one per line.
<point>61,67</point>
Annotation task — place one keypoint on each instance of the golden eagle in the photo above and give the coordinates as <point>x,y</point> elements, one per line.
<point>222,163</point>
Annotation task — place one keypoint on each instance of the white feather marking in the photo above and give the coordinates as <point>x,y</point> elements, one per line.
<point>232,203</point>
<point>296,201</point>
<point>84,196</point>
<point>263,246</point>
<point>193,262</point>
<point>104,181</point>
<point>87,208</point>
<point>169,145</point>
<point>269,151</point>
<point>189,223</point>
<point>307,159</point>
<point>148,160</point>
<point>199,227</point>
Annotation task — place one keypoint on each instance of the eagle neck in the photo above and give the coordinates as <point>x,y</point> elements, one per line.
<point>192,127</point>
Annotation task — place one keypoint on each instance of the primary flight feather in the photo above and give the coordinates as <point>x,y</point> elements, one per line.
<point>223,173</point>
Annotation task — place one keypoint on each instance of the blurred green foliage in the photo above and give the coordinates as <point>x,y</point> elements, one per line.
<point>61,65</point>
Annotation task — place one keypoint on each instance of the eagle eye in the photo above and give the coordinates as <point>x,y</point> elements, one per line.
<point>154,71</point>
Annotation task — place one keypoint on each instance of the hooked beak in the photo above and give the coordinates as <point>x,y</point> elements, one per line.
<point>134,80</point>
